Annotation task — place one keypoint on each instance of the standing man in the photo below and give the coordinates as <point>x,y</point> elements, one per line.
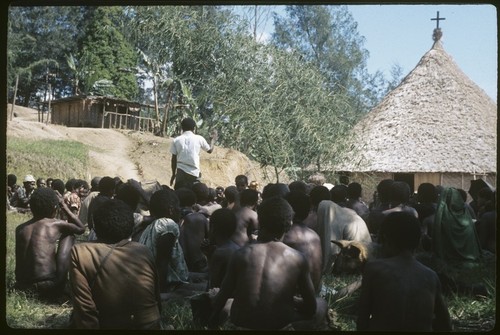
<point>185,152</point>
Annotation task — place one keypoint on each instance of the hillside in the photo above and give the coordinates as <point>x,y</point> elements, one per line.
<point>133,154</point>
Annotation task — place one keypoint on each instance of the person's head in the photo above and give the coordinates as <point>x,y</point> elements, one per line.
<point>400,193</point>
<point>187,197</point>
<point>212,196</point>
<point>298,185</point>
<point>81,187</point>
<point>463,194</point>
<point>129,195</point>
<point>427,193</point>
<point>164,203</point>
<point>70,183</point>
<point>275,218</point>
<point>107,186</point>
<point>254,185</point>
<point>354,191</point>
<point>272,190</point>
<point>484,196</point>
<point>222,224</point>
<point>11,180</point>
<point>29,182</point>
<point>384,190</point>
<point>188,124</point>
<point>231,194</point>
<point>318,194</point>
<point>219,193</point>
<point>338,194</point>
<point>58,185</point>
<point>317,179</point>
<point>249,197</point>
<point>94,184</point>
<point>41,182</point>
<point>43,203</point>
<point>241,182</point>
<point>401,231</point>
<point>301,204</point>
<point>49,182</point>
<point>113,221</point>
<point>201,191</point>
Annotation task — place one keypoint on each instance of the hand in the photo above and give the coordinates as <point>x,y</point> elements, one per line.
<point>172,180</point>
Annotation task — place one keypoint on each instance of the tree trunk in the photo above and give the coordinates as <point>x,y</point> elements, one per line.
<point>14,100</point>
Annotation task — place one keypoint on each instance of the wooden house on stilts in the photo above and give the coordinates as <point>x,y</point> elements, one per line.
<point>437,126</point>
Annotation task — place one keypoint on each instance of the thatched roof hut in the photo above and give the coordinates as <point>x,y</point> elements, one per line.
<point>436,126</point>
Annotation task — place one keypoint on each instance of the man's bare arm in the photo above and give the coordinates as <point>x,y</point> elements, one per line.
<point>213,137</point>
<point>173,165</point>
<point>306,290</point>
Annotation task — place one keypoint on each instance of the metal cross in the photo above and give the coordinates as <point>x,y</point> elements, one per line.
<point>437,19</point>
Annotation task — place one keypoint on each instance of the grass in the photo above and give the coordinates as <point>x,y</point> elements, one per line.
<point>48,158</point>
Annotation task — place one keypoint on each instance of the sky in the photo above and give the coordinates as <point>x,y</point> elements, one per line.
<point>402,34</point>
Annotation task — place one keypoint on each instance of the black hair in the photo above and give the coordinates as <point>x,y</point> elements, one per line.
<point>275,216</point>
<point>318,194</point>
<point>113,221</point>
<point>301,204</point>
<point>273,190</point>
<point>212,195</point>
<point>79,183</point>
<point>187,197</point>
<point>354,191</point>
<point>249,197</point>
<point>58,185</point>
<point>94,183</point>
<point>43,202</point>
<point>401,230</point>
<point>241,179</point>
<point>201,191</point>
<point>223,222</point>
<point>384,190</point>
<point>107,185</point>
<point>129,195</point>
<point>11,179</point>
<point>164,203</point>
<point>427,193</point>
<point>188,124</point>
<point>400,192</point>
<point>338,194</point>
<point>231,193</point>
<point>70,184</point>
<point>298,185</point>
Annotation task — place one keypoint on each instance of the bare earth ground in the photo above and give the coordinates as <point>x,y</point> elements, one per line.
<point>138,155</point>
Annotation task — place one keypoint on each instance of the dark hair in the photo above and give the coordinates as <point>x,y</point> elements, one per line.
<point>129,195</point>
<point>427,193</point>
<point>241,179</point>
<point>273,190</point>
<point>354,191</point>
<point>318,194</point>
<point>188,124</point>
<point>338,194</point>
<point>58,185</point>
<point>212,195</point>
<point>201,191</point>
<point>401,230</point>
<point>43,202</point>
<point>275,216</point>
<point>384,190</point>
<point>94,183</point>
<point>231,193</point>
<point>187,197</point>
<point>70,184</point>
<point>113,221</point>
<point>223,222</point>
<point>249,197</point>
<point>107,185</point>
<point>300,202</point>
<point>79,183</point>
<point>400,192</point>
<point>164,203</point>
<point>298,185</point>
<point>11,179</point>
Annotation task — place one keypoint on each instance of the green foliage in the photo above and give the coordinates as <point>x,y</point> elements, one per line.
<point>47,158</point>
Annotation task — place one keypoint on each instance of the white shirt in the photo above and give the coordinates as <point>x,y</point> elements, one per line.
<point>187,149</point>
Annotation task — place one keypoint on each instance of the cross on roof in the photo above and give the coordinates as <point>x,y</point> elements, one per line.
<point>437,19</point>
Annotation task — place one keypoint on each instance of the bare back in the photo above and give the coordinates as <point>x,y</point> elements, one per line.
<point>36,248</point>
<point>307,241</point>
<point>247,222</point>
<point>265,278</point>
<point>399,293</point>
<point>194,230</point>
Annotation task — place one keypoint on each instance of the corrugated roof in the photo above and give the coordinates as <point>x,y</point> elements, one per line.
<point>436,120</point>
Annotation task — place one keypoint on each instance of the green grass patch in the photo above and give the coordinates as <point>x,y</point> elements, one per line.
<point>47,158</point>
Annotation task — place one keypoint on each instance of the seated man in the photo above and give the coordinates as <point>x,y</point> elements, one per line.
<point>248,222</point>
<point>114,280</point>
<point>43,245</point>
<point>21,198</point>
<point>398,293</point>
<point>264,277</point>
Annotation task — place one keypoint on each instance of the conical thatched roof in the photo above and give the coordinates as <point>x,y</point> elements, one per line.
<point>436,120</point>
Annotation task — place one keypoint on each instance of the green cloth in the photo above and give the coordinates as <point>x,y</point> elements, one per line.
<point>454,236</point>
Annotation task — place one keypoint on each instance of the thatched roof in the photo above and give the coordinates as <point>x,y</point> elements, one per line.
<point>436,120</point>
